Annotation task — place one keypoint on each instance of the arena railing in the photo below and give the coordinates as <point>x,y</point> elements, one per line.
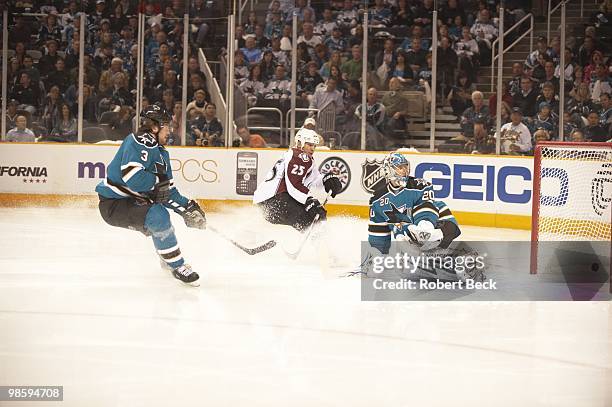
<point>552,10</point>
<point>495,55</point>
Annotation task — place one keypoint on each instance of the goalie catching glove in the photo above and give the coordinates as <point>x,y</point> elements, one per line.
<point>194,216</point>
<point>332,184</point>
<point>313,207</point>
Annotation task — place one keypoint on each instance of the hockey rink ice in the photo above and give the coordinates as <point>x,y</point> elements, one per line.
<point>86,306</point>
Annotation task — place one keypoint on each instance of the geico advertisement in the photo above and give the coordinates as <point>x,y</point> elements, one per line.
<point>467,183</point>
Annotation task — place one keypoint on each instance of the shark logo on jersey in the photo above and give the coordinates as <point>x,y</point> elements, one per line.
<point>338,167</point>
<point>146,139</point>
<point>372,175</point>
<point>397,215</point>
<point>599,198</point>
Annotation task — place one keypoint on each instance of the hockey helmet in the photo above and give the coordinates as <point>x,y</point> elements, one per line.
<point>391,164</point>
<point>305,135</point>
<point>156,114</point>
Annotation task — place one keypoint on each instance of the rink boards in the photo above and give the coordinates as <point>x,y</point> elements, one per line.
<point>482,190</point>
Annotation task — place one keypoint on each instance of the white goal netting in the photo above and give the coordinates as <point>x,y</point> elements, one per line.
<point>575,192</point>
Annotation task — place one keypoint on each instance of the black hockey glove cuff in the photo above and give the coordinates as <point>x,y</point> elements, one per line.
<point>161,192</point>
<point>332,184</point>
<point>194,216</point>
<point>313,207</point>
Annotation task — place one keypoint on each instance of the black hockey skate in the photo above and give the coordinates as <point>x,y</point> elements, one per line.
<point>186,275</point>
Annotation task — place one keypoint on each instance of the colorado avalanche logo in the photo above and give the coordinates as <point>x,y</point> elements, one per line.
<point>338,167</point>
<point>372,175</point>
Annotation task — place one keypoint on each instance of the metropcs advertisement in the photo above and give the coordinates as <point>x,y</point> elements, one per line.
<point>478,184</point>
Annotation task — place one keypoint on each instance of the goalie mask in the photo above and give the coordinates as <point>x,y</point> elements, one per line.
<point>306,136</point>
<point>396,169</point>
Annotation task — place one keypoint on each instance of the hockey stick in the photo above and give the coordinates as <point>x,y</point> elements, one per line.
<point>255,250</point>
<point>295,254</point>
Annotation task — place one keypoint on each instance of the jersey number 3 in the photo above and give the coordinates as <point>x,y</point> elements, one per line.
<point>144,155</point>
<point>297,169</point>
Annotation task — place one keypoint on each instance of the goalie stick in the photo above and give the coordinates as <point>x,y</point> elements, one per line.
<point>295,254</point>
<point>251,251</point>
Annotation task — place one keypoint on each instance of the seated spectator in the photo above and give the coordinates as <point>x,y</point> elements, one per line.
<point>541,50</point>
<point>569,69</point>
<point>484,32</point>
<point>249,26</point>
<point>605,113</point>
<point>267,66</point>
<point>515,135</point>
<point>251,53</point>
<point>261,40</point>
<point>123,124</point>
<point>549,76</point>
<point>20,32</point>
<point>50,30</point>
<point>274,28</point>
<point>514,84</point>
<point>425,73</point>
<point>450,11</point>
<point>327,25</point>
<point>585,52</point>
<point>308,36</point>
<point>335,59</point>
<point>59,77</point>
<point>525,100</point>
<point>401,14</point>
<point>348,17</point>
<point>336,42</point>
<point>548,95</point>
<point>416,34</point>
<point>375,119</point>
<point>577,136</point>
<point>341,85</point>
<point>320,56</point>
<point>423,14</point>
<point>466,49</point>
<point>280,56</point>
<point>308,82</point>
<point>541,135</point>
<point>21,133</point>
<point>250,140</point>
<point>208,131</point>
<point>324,95</point>
<point>352,99</point>
<point>273,8</point>
<point>64,127</point>
<point>416,57</point>
<point>51,107</point>
<point>26,93</point>
<point>30,69</point>
<point>20,52</point>
<point>352,69</point>
<point>380,14</point>
<point>580,103</point>
<point>460,96</point>
<point>253,87</point>
<point>478,110</point>
<point>197,15</point>
<point>11,113</point>
<point>538,71</point>
<point>279,87</point>
<point>481,142</point>
<point>167,100</point>
<point>545,119</point>
<point>386,55</point>
<point>198,104</point>
<point>396,106</point>
<point>589,70</point>
<point>600,83</point>
<point>568,125</point>
<point>241,68</point>
<point>299,9</point>
<point>286,39</point>
<point>594,131</point>
<point>14,71</point>
<point>401,70</point>
<point>47,61</point>
<point>170,83</point>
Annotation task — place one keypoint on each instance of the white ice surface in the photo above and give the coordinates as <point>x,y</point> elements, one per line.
<point>86,306</point>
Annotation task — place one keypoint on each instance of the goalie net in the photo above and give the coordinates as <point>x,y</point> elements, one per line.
<point>572,194</point>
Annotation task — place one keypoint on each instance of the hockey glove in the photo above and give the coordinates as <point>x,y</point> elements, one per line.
<point>313,207</point>
<point>194,216</point>
<point>332,183</point>
<point>161,192</point>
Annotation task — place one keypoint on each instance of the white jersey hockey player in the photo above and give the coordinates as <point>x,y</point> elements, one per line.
<point>285,195</point>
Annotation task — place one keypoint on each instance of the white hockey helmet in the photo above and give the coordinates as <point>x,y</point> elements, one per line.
<point>304,135</point>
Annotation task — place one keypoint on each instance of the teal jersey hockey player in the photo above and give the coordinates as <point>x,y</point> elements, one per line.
<point>405,208</point>
<point>138,192</point>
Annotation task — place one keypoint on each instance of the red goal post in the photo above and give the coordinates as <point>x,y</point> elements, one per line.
<point>574,202</point>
